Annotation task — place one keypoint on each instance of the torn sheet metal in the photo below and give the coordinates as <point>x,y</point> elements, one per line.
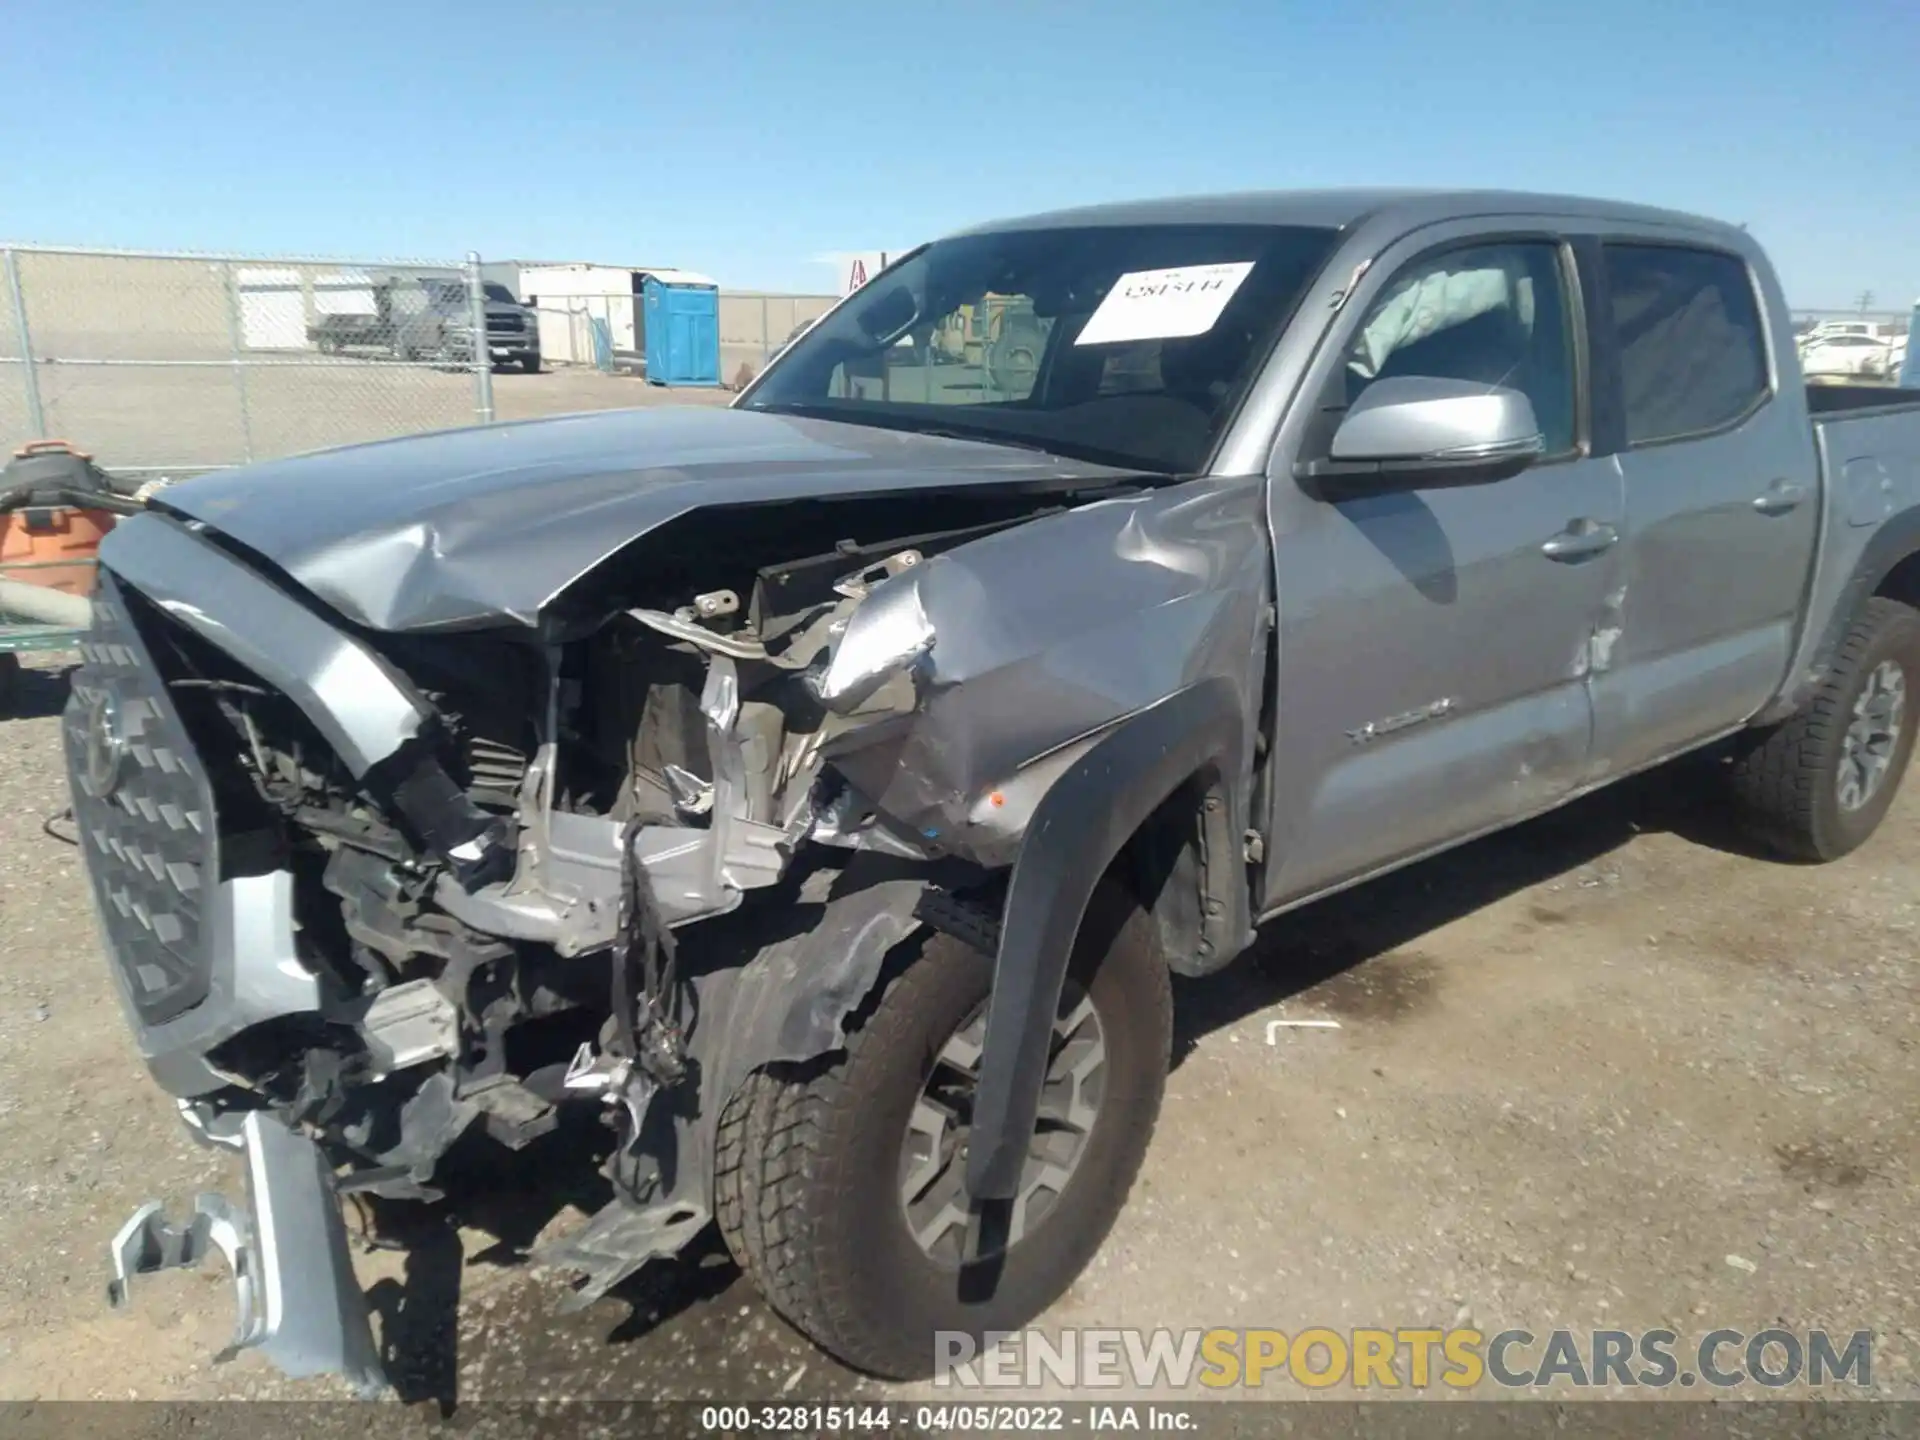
<point>616,1242</point>
<point>295,1293</point>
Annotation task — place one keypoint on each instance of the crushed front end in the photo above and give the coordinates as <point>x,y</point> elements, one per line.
<point>368,892</point>
<point>344,878</point>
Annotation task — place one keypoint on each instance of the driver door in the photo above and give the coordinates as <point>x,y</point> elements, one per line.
<point>1434,642</point>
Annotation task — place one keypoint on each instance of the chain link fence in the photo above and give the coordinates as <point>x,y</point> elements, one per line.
<point>19,418</point>
<point>176,363</point>
<point>755,324</point>
<point>173,363</point>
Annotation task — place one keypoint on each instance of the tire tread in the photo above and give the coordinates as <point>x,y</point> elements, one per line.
<point>780,1166</point>
<point>1779,775</point>
<point>771,1168</point>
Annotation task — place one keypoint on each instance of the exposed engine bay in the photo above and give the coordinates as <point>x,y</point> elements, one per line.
<point>576,796</point>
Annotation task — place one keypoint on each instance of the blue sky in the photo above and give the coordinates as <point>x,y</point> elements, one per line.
<point>745,139</point>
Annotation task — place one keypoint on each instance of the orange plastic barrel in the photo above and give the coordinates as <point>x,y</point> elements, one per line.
<point>53,546</point>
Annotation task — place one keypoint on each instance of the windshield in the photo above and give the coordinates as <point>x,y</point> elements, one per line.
<point>499,293</point>
<point>1128,345</point>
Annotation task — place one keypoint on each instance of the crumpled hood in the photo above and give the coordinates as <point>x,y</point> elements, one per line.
<point>471,527</point>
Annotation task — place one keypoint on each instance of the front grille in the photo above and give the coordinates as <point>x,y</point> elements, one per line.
<point>505,325</point>
<point>144,811</point>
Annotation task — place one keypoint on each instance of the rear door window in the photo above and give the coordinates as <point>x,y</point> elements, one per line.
<point>1687,327</point>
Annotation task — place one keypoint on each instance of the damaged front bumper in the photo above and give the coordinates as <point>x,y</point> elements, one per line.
<point>294,1287</point>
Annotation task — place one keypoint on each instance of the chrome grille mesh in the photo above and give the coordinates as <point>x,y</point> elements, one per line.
<point>144,812</point>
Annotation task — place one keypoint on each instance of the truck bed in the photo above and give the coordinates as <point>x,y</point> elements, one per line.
<point>1847,399</point>
<point>1867,438</point>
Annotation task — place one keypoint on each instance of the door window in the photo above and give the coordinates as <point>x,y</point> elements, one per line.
<point>1492,314</point>
<point>1693,358</point>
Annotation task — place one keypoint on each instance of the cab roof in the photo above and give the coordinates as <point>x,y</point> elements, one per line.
<point>1343,209</point>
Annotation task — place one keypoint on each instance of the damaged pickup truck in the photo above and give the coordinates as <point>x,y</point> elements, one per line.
<point>823,788</point>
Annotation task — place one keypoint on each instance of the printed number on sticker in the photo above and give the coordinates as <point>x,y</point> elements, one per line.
<point>1164,304</point>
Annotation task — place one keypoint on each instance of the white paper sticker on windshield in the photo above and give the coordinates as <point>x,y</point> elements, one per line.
<point>1164,304</point>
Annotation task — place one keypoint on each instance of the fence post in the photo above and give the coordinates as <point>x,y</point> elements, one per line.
<point>36,417</point>
<point>482,353</point>
<point>237,350</point>
<point>766,334</point>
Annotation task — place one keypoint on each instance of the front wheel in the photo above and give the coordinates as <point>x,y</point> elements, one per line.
<point>1816,785</point>
<point>838,1184</point>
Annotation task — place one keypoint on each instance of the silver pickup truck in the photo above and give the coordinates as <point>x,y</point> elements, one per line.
<point>823,788</point>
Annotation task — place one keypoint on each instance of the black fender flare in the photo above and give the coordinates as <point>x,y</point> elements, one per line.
<point>1896,539</point>
<point>1079,826</point>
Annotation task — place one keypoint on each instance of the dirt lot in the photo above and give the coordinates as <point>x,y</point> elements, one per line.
<point>1602,1071</point>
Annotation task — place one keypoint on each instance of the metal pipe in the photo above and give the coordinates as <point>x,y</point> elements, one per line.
<point>41,602</point>
<point>36,417</point>
<point>239,363</point>
<point>482,351</point>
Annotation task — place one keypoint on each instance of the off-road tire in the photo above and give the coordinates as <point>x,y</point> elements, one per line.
<point>807,1156</point>
<point>1785,778</point>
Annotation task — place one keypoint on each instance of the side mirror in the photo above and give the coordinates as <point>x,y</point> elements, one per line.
<point>1419,431</point>
<point>889,315</point>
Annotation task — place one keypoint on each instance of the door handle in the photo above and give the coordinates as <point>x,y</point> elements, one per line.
<point>1781,497</point>
<point>1582,538</point>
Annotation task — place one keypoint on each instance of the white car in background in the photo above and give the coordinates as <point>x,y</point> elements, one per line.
<point>1827,329</point>
<point>1845,356</point>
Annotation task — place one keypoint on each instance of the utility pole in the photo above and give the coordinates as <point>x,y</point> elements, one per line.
<point>1866,301</point>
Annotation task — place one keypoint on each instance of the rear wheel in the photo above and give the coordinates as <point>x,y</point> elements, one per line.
<point>1819,783</point>
<point>838,1184</point>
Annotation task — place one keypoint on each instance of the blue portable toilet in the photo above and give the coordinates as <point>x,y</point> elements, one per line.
<point>682,328</point>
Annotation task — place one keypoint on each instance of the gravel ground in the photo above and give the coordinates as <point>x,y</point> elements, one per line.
<point>1601,1071</point>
